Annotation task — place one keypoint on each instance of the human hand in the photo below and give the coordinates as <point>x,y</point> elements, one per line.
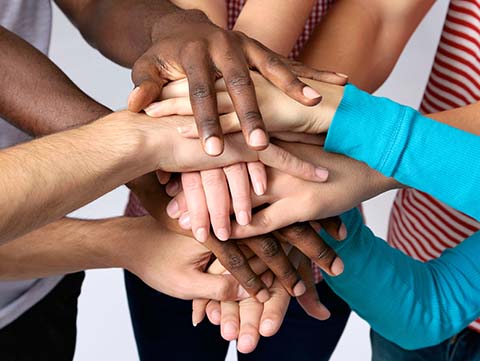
<point>247,320</point>
<point>186,44</point>
<point>280,113</point>
<point>232,253</point>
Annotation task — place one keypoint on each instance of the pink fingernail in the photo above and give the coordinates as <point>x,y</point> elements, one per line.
<point>310,93</point>
<point>172,188</point>
<point>222,234</point>
<point>150,109</point>
<point>173,209</point>
<point>262,296</point>
<point>213,146</point>
<point>258,138</point>
<point>184,221</point>
<point>321,173</point>
<point>259,188</point>
<point>201,234</point>
<point>299,289</point>
<point>337,266</point>
<point>215,315</point>
<point>243,218</point>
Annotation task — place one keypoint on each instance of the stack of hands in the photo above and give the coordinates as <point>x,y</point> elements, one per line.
<point>259,206</point>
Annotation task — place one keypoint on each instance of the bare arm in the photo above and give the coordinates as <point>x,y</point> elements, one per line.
<point>364,38</point>
<point>276,24</point>
<point>36,96</point>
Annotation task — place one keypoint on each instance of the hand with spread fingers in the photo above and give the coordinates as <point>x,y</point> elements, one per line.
<point>186,44</point>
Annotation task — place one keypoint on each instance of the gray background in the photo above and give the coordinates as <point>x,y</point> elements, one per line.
<point>104,327</point>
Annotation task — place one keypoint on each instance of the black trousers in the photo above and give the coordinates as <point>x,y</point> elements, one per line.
<point>47,331</point>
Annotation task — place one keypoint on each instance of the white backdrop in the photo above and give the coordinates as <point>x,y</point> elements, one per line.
<point>104,326</point>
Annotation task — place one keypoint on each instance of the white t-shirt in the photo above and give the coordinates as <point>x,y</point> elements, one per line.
<point>31,20</point>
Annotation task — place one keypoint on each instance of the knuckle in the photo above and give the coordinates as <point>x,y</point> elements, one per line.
<point>272,61</point>
<point>296,231</point>
<point>293,84</point>
<point>252,282</point>
<point>240,80</point>
<point>288,274</point>
<point>325,253</point>
<point>201,91</point>
<point>209,125</point>
<point>251,117</point>
<point>191,184</point>
<point>223,291</point>
<point>235,261</point>
<point>264,220</point>
<point>211,179</point>
<point>269,246</point>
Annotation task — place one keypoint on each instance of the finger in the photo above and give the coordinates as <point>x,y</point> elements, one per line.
<point>304,71</point>
<point>240,87</point>
<point>229,324</point>
<point>175,89</point>
<point>233,259</point>
<point>268,249</point>
<point>258,177</point>
<point>239,185</point>
<point>250,314</point>
<point>213,312</point>
<point>197,205</point>
<point>173,187</point>
<point>272,67</point>
<point>163,177</point>
<point>309,300</point>
<point>183,106</point>
<point>274,310</point>
<point>200,76</point>
<point>177,206</point>
<point>148,84</point>
<point>218,201</point>
<point>199,311</point>
<point>279,158</point>
<point>208,286</point>
<point>267,220</point>
<point>334,228</point>
<point>314,139</point>
<point>303,237</point>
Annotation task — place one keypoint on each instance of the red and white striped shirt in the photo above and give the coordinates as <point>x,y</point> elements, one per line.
<point>420,225</point>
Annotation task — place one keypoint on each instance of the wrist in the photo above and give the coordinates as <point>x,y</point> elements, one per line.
<point>321,117</point>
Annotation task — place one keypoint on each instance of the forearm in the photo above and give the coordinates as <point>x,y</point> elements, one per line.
<point>36,96</point>
<point>119,29</point>
<point>364,38</point>
<point>411,303</point>
<point>401,143</point>
<point>277,25</point>
<point>47,178</point>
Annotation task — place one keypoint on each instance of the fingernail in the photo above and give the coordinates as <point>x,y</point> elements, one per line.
<point>266,327</point>
<point>215,315</point>
<point>242,293</point>
<point>258,138</point>
<point>245,342</point>
<point>337,266</point>
<point>230,329</point>
<point>243,218</point>
<point>342,232</point>
<point>201,234</point>
<point>213,146</point>
<point>342,75</point>
<point>172,188</point>
<point>310,93</point>
<point>151,108</point>
<point>299,289</point>
<point>262,296</point>
<point>321,173</point>
<point>222,234</point>
<point>184,221</point>
<point>259,188</point>
<point>325,313</point>
<point>173,209</point>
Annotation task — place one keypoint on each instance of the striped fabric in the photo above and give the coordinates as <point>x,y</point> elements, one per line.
<point>134,208</point>
<point>420,225</point>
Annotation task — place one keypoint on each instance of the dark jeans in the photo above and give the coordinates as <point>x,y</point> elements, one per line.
<point>47,331</point>
<point>163,329</point>
<point>464,346</point>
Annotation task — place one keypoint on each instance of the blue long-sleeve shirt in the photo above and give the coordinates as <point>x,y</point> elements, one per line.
<point>411,303</point>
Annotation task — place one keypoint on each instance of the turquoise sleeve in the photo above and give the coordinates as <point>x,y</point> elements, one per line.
<point>411,303</point>
<point>417,151</point>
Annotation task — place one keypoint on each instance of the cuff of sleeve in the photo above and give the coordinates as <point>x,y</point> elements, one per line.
<point>370,129</point>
